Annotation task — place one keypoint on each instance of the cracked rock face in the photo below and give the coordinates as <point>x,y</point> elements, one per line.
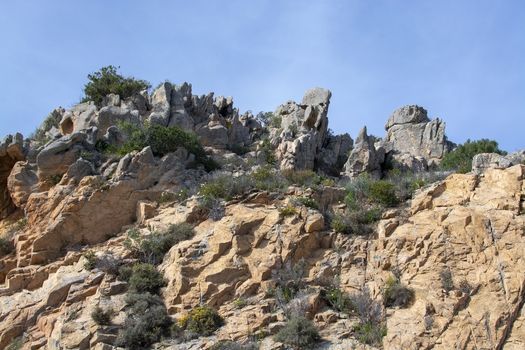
<point>411,134</point>
<point>11,151</point>
<point>303,130</point>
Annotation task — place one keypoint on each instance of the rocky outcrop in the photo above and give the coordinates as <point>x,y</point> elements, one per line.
<point>484,161</point>
<point>413,139</point>
<point>12,150</point>
<point>303,130</point>
<point>364,158</point>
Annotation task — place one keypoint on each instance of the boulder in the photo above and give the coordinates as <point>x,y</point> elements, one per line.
<point>483,161</point>
<point>22,181</point>
<point>333,156</point>
<point>111,115</point>
<point>304,130</point>
<point>364,158</point>
<point>160,104</point>
<point>78,118</point>
<point>58,155</point>
<point>410,131</point>
<point>12,150</point>
<point>181,102</point>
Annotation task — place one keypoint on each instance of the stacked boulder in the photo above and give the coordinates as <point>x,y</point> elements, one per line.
<point>303,141</point>
<point>413,142</point>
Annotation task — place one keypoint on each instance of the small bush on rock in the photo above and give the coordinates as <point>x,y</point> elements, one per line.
<point>287,211</point>
<point>102,317</point>
<point>107,81</point>
<point>371,327</point>
<point>460,159</point>
<point>147,321</point>
<point>202,320</point>
<point>298,333</point>
<point>152,248</point>
<point>447,282</point>
<point>91,260</point>
<point>289,281</point>
<point>397,294</point>
<point>163,140</point>
<point>303,178</point>
<point>146,279</point>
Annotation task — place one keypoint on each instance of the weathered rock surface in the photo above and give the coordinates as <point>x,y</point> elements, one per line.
<point>484,161</point>
<point>364,158</point>
<point>11,151</point>
<point>304,130</point>
<point>411,134</point>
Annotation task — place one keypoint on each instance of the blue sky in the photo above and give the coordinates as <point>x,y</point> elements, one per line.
<point>464,61</point>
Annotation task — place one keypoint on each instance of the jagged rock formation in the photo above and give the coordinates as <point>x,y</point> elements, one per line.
<point>412,138</point>
<point>302,141</point>
<point>365,158</point>
<point>73,198</point>
<point>484,161</point>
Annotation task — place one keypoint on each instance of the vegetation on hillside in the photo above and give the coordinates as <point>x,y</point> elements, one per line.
<point>460,159</point>
<point>107,80</point>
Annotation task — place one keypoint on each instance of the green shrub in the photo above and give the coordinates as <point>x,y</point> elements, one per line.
<point>240,303</point>
<point>102,317</point>
<point>265,179</point>
<point>299,333</point>
<point>337,299</point>
<point>370,333</point>
<point>91,260</point>
<point>288,210</point>
<point>371,327</point>
<point>303,178</point>
<point>163,140</point>
<point>145,278</point>
<point>308,202</point>
<point>226,187</point>
<point>383,192</point>
<point>397,294</point>
<point>202,320</point>
<point>147,320</point>
<point>108,81</point>
<point>460,159</point>
<point>125,272</point>
<point>152,248</point>
<point>6,246</point>
<point>267,151</point>
<point>357,221</point>
<point>289,280</point>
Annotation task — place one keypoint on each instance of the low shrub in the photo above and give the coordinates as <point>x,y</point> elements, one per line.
<point>298,333</point>
<point>240,303</point>
<point>460,159</point>
<point>146,279</point>
<point>337,299</point>
<point>91,260</point>
<point>289,281</point>
<point>125,272</point>
<point>16,344</point>
<point>371,327</point>
<point>370,333</point>
<point>153,247</point>
<point>202,320</point>
<point>239,150</point>
<point>6,246</point>
<point>383,192</point>
<point>397,294</point>
<point>307,202</point>
<point>447,283</point>
<point>163,140</point>
<point>102,317</point>
<point>147,321</point>
<point>357,221</point>
<point>107,81</point>
<point>303,178</point>
<point>288,210</point>
<point>226,187</point>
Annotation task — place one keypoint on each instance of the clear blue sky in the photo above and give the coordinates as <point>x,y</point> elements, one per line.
<point>462,60</point>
